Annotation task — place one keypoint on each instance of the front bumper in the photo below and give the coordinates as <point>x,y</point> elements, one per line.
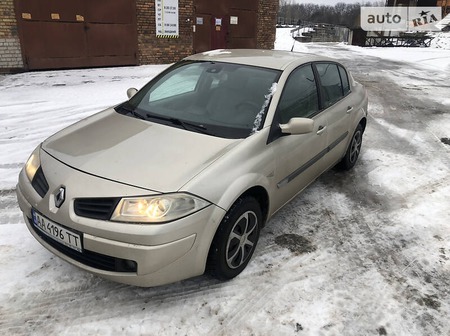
<point>163,253</point>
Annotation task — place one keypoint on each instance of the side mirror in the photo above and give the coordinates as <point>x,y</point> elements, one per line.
<point>131,92</point>
<point>298,126</point>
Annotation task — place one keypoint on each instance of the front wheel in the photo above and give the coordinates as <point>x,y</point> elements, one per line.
<point>353,150</point>
<point>235,239</point>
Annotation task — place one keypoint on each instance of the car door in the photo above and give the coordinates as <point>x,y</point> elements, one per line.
<point>299,158</point>
<point>339,104</point>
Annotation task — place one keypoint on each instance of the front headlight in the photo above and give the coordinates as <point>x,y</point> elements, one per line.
<point>33,163</point>
<point>157,209</point>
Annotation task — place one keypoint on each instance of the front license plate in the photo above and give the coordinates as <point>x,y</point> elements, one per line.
<point>57,232</point>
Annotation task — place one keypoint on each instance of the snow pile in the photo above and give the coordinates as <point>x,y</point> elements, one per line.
<point>260,115</point>
<point>301,31</point>
<point>430,58</point>
<point>441,40</point>
<point>284,41</point>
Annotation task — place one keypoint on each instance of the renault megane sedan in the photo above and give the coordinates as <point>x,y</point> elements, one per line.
<point>180,178</point>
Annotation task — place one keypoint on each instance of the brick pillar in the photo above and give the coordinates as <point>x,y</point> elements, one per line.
<point>267,19</point>
<point>154,50</point>
<point>10,52</point>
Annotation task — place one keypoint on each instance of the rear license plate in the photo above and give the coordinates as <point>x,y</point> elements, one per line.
<point>57,232</point>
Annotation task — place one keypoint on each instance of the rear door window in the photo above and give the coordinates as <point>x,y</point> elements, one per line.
<point>344,79</point>
<point>330,80</point>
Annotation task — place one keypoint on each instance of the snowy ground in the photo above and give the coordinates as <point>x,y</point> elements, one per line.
<point>359,253</point>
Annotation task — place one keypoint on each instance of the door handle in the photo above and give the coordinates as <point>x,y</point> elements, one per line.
<point>320,130</point>
<point>349,109</point>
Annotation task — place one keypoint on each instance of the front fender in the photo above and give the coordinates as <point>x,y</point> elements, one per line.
<point>250,163</point>
<point>240,186</point>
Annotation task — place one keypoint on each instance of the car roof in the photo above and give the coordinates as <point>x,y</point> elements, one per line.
<point>275,59</point>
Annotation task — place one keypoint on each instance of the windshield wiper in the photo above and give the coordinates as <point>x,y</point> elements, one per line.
<point>185,124</point>
<point>130,111</point>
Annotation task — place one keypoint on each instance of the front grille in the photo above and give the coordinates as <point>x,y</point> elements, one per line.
<point>89,258</point>
<point>39,183</point>
<point>96,208</point>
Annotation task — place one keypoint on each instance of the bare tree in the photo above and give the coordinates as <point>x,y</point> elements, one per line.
<point>341,14</point>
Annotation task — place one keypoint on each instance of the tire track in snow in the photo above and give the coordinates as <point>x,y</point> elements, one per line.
<point>284,273</point>
<point>99,294</point>
<point>232,320</point>
<point>9,209</point>
<point>383,256</point>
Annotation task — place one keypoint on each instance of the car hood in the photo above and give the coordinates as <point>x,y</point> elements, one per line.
<point>136,152</point>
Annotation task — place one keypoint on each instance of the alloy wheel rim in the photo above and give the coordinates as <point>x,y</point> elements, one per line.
<point>242,240</point>
<point>355,147</point>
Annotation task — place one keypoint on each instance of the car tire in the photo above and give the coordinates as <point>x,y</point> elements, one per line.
<point>353,150</point>
<point>235,240</point>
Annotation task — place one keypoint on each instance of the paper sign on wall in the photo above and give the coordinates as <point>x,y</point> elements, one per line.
<point>233,20</point>
<point>166,12</point>
<point>218,21</point>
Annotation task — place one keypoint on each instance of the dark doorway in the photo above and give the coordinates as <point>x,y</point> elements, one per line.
<point>224,24</point>
<point>219,32</point>
<point>202,32</point>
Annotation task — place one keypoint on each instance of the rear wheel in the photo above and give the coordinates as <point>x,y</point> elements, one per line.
<point>353,150</point>
<point>235,239</point>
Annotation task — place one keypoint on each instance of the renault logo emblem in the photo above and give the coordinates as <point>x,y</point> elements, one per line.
<point>60,197</point>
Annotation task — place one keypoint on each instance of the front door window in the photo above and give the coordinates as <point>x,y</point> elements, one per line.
<point>299,98</point>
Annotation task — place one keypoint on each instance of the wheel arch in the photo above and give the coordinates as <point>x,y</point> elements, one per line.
<point>254,185</point>
<point>363,123</point>
<point>262,197</point>
<point>256,194</point>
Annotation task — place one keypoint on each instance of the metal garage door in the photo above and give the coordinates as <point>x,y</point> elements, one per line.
<point>77,33</point>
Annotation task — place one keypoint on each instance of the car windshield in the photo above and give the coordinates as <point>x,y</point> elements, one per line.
<point>219,99</point>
